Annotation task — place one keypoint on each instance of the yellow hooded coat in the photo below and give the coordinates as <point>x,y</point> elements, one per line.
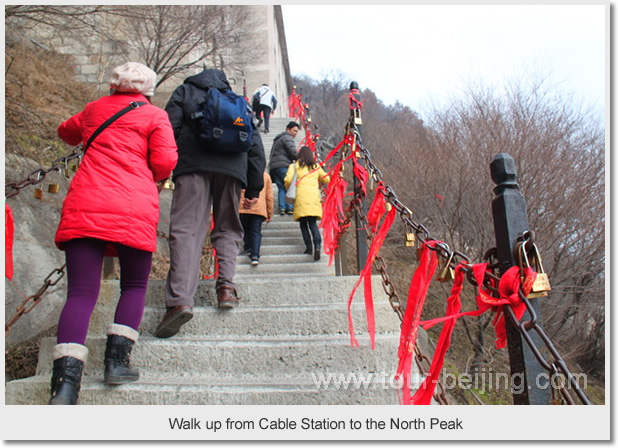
<point>308,199</point>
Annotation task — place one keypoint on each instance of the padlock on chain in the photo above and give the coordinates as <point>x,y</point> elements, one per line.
<point>357,117</point>
<point>541,285</point>
<point>38,191</point>
<point>410,240</point>
<point>54,188</point>
<point>66,170</point>
<point>168,185</point>
<point>76,164</point>
<point>447,273</point>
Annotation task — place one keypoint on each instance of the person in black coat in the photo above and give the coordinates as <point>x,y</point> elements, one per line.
<point>205,178</point>
<point>282,154</point>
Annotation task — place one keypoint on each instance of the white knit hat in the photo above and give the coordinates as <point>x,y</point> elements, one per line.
<point>133,77</point>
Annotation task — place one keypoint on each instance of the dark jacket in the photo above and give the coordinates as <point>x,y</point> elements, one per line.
<point>283,151</point>
<point>193,156</point>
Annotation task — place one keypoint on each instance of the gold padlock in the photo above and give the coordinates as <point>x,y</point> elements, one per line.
<point>38,191</point>
<point>168,185</point>
<point>410,240</point>
<point>541,285</point>
<point>53,188</point>
<point>357,117</point>
<point>447,273</point>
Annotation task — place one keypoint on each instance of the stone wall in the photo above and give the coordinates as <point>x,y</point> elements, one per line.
<point>96,55</point>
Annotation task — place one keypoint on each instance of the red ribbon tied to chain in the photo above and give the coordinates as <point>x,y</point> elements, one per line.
<point>9,231</point>
<point>354,101</point>
<point>411,319</point>
<point>508,287</point>
<point>360,172</point>
<point>453,306</point>
<point>365,276</point>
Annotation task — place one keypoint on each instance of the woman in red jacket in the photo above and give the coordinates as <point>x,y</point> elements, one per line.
<point>111,209</point>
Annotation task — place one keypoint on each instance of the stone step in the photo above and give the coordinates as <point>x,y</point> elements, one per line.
<point>262,291</point>
<point>283,259</point>
<point>280,223</point>
<point>244,357</point>
<point>281,249</point>
<point>292,231</point>
<point>283,276</point>
<point>278,319</point>
<point>206,391</point>
<point>282,240</point>
<point>307,267</point>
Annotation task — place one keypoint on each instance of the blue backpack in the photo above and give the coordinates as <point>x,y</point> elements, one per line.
<point>223,121</point>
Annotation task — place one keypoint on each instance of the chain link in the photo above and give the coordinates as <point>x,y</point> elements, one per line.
<point>31,302</point>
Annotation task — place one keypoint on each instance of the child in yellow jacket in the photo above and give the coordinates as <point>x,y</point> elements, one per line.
<point>308,203</point>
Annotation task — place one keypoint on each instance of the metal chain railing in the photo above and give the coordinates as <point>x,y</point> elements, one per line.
<point>31,302</point>
<point>13,189</point>
<point>452,258</point>
<point>38,176</point>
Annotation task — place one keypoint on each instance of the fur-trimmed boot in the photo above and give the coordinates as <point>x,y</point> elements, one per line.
<point>69,360</point>
<point>120,340</point>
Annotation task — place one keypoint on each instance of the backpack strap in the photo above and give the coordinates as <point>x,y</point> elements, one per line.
<point>132,105</point>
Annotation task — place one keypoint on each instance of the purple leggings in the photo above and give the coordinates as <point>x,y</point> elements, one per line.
<point>84,259</point>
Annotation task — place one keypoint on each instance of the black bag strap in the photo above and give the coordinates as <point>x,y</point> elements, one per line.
<point>132,105</point>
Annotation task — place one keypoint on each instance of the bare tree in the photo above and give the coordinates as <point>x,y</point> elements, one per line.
<point>170,39</point>
<point>174,39</point>
<point>559,150</point>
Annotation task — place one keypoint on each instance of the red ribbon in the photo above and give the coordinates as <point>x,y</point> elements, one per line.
<point>354,101</point>
<point>425,392</point>
<point>365,275</point>
<point>333,211</point>
<point>361,174</point>
<point>294,104</point>
<point>332,208</point>
<point>409,328</point>
<point>377,208</point>
<point>508,288</point>
<point>9,231</point>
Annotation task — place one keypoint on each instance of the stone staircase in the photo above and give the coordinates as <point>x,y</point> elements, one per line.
<point>289,334</point>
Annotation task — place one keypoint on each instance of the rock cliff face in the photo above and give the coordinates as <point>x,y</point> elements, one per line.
<point>35,255</point>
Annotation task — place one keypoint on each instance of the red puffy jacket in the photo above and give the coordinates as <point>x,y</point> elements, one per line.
<point>113,196</point>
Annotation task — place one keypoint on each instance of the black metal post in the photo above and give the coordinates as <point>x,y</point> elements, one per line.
<point>510,222</point>
<point>362,250</point>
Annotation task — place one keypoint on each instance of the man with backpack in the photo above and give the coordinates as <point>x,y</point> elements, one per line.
<point>218,156</point>
<point>264,102</point>
<point>282,154</point>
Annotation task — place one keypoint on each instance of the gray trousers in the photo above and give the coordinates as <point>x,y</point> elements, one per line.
<point>194,195</point>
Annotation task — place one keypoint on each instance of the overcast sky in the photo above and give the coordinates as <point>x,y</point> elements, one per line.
<point>423,54</point>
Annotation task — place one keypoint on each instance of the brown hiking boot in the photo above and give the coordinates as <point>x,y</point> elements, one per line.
<point>174,318</point>
<point>226,296</point>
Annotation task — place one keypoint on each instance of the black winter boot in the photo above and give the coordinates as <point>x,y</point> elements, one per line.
<point>316,254</point>
<point>66,379</point>
<point>120,340</point>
